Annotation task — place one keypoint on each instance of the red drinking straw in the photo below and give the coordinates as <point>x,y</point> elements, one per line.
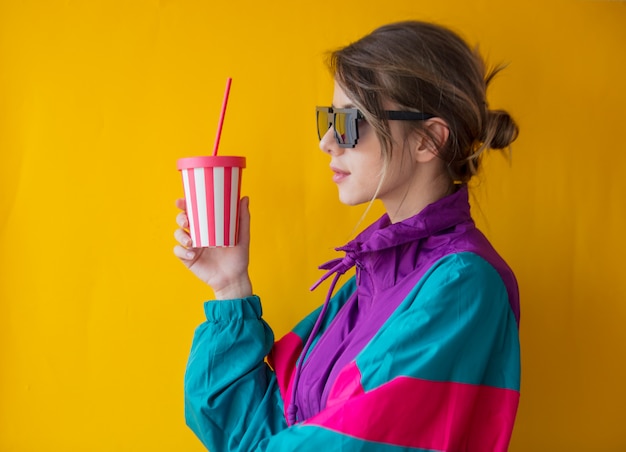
<point>223,113</point>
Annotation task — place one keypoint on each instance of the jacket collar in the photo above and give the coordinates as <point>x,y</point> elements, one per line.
<point>438,216</point>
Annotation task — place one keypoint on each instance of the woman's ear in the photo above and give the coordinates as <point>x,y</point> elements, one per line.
<point>431,139</point>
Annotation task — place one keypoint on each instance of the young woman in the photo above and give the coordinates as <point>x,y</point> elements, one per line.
<point>420,350</point>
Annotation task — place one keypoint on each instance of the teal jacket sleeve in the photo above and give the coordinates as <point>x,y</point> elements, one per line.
<point>232,399</point>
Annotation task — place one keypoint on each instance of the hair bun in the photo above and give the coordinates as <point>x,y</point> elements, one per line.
<point>500,131</point>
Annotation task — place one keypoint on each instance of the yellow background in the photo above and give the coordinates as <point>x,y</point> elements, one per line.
<point>99,98</point>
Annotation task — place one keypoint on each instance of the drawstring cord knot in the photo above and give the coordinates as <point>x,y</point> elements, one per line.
<point>336,266</point>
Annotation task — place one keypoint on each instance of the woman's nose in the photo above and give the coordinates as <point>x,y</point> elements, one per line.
<point>328,143</point>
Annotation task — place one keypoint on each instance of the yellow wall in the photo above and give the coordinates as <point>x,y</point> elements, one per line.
<point>99,98</point>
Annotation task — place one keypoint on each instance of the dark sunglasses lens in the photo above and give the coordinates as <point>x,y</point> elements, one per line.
<point>323,122</point>
<point>344,123</point>
<point>346,128</point>
<point>341,127</point>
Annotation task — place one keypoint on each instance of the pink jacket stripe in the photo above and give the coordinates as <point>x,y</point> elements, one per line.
<point>417,413</point>
<point>283,359</point>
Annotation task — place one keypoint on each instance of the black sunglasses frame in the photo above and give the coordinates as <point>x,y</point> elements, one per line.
<point>353,115</point>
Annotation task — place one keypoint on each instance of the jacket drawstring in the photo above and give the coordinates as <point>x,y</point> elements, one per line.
<point>337,267</point>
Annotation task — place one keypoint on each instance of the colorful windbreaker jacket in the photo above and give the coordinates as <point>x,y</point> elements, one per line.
<point>419,351</point>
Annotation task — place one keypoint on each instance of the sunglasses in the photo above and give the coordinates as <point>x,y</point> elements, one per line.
<point>345,122</point>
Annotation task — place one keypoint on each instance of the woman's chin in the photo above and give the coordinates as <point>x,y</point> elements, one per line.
<point>352,200</point>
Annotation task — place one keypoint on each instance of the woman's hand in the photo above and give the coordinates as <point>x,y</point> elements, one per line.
<point>224,269</point>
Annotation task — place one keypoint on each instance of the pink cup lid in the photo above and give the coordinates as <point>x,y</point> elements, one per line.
<point>211,161</point>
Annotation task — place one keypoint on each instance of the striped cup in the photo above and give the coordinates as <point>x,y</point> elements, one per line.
<point>212,189</point>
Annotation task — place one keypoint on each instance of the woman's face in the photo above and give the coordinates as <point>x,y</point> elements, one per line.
<point>358,171</point>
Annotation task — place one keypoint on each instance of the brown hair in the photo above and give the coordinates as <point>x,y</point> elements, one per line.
<point>425,67</point>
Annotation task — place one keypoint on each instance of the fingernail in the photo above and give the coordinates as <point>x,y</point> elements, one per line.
<point>190,254</point>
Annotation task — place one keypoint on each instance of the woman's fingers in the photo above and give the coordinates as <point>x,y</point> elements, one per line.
<point>180,203</point>
<point>182,220</point>
<point>184,254</point>
<point>182,237</point>
<point>183,250</point>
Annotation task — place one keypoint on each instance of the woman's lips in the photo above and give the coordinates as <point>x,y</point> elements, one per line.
<point>339,175</point>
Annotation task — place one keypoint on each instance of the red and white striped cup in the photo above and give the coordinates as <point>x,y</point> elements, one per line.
<point>212,189</point>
